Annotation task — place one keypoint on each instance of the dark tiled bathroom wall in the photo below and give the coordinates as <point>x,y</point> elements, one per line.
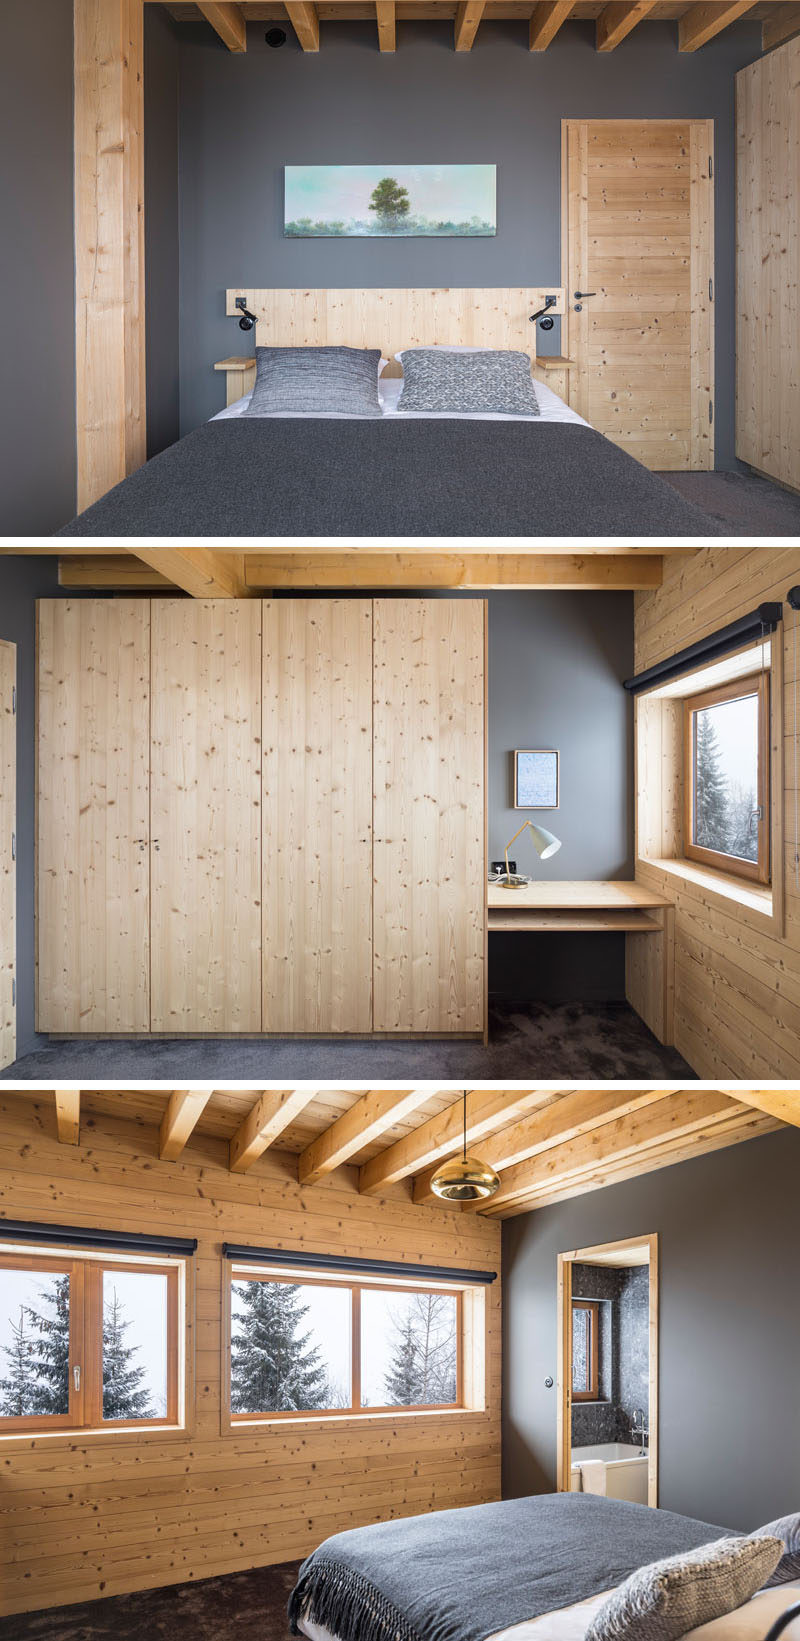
<point>624,1352</point>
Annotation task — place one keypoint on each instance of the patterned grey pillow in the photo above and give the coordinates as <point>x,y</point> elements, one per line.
<point>492,382</point>
<point>786,1528</point>
<point>319,381</point>
<point>664,1600</point>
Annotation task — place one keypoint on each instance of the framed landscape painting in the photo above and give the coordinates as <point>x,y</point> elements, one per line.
<point>389,201</point>
<point>535,780</point>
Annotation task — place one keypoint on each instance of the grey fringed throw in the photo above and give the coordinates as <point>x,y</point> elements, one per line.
<point>462,1575</point>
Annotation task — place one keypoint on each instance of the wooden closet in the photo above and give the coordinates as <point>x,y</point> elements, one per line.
<point>768,265</point>
<point>261,816</point>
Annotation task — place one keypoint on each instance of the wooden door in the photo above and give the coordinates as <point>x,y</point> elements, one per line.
<point>429,815</point>
<point>206,815</point>
<point>637,220</point>
<point>768,265</point>
<point>317,933</point>
<point>8,853</point>
<point>93,815</point>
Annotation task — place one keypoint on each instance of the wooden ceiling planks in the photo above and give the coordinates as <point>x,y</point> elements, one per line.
<point>548,1144</point>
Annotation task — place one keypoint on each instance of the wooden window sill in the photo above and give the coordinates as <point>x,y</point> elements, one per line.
<point>757,897</point>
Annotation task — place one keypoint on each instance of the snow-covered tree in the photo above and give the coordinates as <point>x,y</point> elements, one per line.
<point>710,788</point>
<point>123,1394</point>
<point>423,1369</point>
<point>17,1388</point>
<point>274,1367</point>
<point>39,1355</point>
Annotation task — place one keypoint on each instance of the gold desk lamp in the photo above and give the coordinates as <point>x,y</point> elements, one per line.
<point>545,845</point>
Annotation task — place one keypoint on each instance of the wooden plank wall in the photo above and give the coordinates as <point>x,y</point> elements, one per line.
<point>737,980</point>
<point>107,1514</point>
<point>768,264</point>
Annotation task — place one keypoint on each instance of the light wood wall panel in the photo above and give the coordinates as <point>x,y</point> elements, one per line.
<point>93,823</point>
<point>8,869</point>
<point>737,976</point>
<point>768,264</point>
<point>317,815</point>
<point>206,815</point>
<point>639,215</point>
<point>109,243</point>
<point>429,815</point>
<point>108,1514</point>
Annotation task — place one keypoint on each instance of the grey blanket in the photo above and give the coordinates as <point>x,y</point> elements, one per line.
<point>248,477</point>
<point>462,1575</point>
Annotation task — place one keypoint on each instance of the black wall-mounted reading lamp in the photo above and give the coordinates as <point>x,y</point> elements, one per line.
<point>247,319</point>
<point>546,323</point>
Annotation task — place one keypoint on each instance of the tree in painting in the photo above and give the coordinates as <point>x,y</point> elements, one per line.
<point>424,1365</point>
<point>274,1367</point>
<point>390,202</point>
<point>124,1396</point>
<point>38,1357</point>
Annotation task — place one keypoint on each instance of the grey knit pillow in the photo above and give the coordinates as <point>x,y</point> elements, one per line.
<point>492,382</point>
<point>319,381</point>
<point>664,1600</point>
<point>786,1528</point>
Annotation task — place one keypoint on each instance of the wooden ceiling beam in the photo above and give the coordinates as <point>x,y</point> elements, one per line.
<point>181,1117</point>
<point>784,1104</point>
<point>570,1116</point>
<point>468,16</point>
<point>439,1136</point>
<point>714,1137</point>
<point>387,24</point>
<point>365,1122</point>
<point>228,20</point>
<point>198,570</point>
<point>546,20</point>
<point>666,1122</point>
<point>120,571</point>
<point>590,572</point>
<point>701,23</point>
<point>781,23</point>
<point>618,19</point>
<point>68,1115</point>
<point>264,1123</point>
<point>304,19</point>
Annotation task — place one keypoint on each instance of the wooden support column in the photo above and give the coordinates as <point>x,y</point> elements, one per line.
<point>109,244</point>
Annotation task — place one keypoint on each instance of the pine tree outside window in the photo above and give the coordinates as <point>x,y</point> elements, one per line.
<point>726,777</point>
<point>87,1344</point>
<point>322,1348</point>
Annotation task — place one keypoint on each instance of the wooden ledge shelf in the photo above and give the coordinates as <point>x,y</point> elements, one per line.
<point>555,922</point>
<point>553,361</point>
<point>239,373</point>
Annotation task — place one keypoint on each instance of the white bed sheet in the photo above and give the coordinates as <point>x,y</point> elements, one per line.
<point>749,1623</point>
<point>552,408</point>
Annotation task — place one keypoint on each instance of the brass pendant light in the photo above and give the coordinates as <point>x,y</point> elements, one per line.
<point>464,1179</point>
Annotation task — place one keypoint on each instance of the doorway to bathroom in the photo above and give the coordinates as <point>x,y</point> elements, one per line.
<point>608,1370</point>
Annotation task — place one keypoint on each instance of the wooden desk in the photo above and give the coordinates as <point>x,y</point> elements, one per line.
<point>644,917</point>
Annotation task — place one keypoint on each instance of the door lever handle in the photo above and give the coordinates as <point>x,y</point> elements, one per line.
<point>579,295</point>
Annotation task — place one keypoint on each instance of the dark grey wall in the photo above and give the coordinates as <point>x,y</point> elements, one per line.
<point>556,665</point>
<point>37,422</point>
<point>244,117</point>
<point>729,1328</point>
<point>161,190</point>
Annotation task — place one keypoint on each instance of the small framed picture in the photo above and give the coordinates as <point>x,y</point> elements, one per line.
<point>535,780</point>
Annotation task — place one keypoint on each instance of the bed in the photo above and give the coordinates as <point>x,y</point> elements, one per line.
<point>536,1569</point>
<point>299,477</point>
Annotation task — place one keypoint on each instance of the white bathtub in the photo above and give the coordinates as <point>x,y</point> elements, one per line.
<point>612,1469</point>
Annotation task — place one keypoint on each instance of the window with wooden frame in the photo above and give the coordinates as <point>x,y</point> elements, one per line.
<point>315,1346</point>
<point>585,1350</point>
<point>88,1343</point>
<point>726,777</point>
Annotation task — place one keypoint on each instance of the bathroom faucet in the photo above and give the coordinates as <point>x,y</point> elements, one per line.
<point>640,1428</point>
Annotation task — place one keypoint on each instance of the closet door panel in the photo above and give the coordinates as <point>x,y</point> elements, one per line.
<point>206,815</point>
<point>317,931</point>
<point>93,815</point>
<point>429,815</point>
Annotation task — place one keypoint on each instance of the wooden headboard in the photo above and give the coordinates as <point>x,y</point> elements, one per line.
<point>395,319</point>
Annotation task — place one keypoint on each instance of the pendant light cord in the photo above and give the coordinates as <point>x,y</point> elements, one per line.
<point>796,737</point>
<point>465,1108</point>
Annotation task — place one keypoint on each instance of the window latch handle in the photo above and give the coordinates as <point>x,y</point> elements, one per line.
<point>76,1377</point>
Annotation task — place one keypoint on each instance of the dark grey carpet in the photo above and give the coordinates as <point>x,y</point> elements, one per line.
<point>587,1041</point>
<point>239,1607</point>
<point>742,502</point>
